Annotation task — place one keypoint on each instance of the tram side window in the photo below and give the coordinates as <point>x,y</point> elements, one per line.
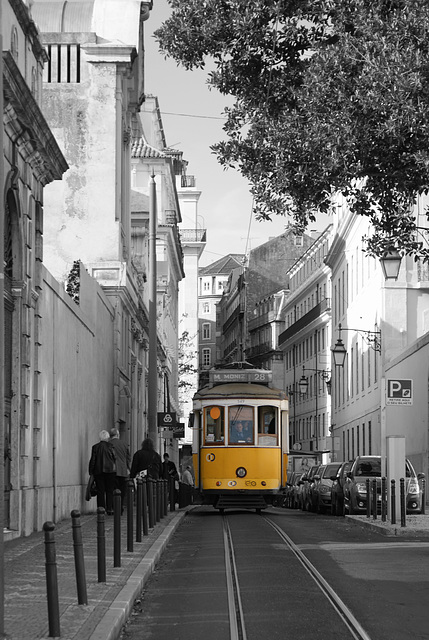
<point>267,426</point>
<point>214,424</point>
<point>241,423</point>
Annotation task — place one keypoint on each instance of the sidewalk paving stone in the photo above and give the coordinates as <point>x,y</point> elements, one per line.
<point>109,603</point>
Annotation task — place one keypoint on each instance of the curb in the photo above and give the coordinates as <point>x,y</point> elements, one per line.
<point>388,529</point>
<point>119,611</point>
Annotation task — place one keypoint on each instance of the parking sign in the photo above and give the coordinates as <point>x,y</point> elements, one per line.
<point>399,392</point>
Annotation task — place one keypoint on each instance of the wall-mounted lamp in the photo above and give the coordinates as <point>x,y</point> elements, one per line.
<point>391,263</point>
<point>372,338</point>
<point>324,374</point>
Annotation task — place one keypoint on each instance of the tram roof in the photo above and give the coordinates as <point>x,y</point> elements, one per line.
<point>242,390</point>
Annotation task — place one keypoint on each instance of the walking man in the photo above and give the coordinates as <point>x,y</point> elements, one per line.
<point>123,462</point>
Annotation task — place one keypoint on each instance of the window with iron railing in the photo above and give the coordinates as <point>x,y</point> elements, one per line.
<point>188,181</point>
<point>63,65</point>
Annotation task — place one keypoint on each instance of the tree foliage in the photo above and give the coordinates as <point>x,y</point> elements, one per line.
<point>331,96</point>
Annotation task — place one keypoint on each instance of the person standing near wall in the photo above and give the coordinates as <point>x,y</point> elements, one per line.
<point>187,477</point>
<point>123,463</point>
<point>102,465</point>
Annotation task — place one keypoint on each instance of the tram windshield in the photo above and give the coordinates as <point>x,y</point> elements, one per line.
<point>267,426</point>
<point>214,425</point>
<point>241,423</point>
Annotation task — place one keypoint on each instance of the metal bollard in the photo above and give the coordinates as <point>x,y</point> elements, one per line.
<point>162,484</point>
<point>368,498</point>
<point>402,500</point>
<point>150,503</point>
<point>172,494</point>
<point>374,499</point>
<point>144,507</point>
<point>139,505</point>
<point>79,562</point>
<point>51,581</point>
<point>423,511</point>
<point>165,497</point>
<point>181,495</point>
<point>116,528</point>
<point>383,499</point>
<point>392,502</point>
<point>130,515</point>
<point>101,545</point>
<point>158,499</point>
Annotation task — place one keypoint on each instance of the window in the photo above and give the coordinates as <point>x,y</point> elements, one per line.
<point>206,331</point>
<point>206,307</point>
<point>214,425</point>
<point>267,426</point>
<point>206,286</point>
<point>299,241</point>
<point>241,424</point>
<point>14,43</point>
<point>206,357</point>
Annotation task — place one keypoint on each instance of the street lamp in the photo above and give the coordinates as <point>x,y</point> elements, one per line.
<point>372,338</point>
<point>324,374</point>
<point>391,263</point>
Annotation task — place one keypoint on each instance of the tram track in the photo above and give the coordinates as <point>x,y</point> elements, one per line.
<point>355,628</point>
<point>236,616</point>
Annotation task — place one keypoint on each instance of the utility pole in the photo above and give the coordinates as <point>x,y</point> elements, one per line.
<point>2,518</point>
<point>153,373</point>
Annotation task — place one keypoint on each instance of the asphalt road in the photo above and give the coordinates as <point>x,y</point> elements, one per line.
<point>356,583</point>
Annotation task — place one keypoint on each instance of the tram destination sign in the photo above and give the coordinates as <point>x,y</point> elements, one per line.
<point>244,375</point>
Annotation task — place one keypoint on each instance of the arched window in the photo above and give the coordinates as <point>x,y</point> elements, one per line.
<point>14,43</point>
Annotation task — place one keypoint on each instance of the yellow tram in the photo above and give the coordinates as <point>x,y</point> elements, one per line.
<point>241,437</point>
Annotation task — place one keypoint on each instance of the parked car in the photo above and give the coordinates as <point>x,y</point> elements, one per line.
<point>337,489</point>
<point>292,490</point>
<point>355,495</point>
<point>321,491</point>
<point>306,498</point>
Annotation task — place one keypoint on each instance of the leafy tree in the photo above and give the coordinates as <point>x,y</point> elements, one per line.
<point>331,96</point>
<point>187,356</point>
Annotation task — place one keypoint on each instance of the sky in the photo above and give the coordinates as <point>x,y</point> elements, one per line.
<point>225,205</point>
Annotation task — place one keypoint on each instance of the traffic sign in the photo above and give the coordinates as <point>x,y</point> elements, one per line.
<point>399,392</point>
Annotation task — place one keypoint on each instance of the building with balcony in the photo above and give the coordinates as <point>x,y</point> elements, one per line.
<point>212,281</point>
<point>305,343</point>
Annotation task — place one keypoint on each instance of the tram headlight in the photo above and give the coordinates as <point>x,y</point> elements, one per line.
<point>241,472</point>
<point>263,483</point>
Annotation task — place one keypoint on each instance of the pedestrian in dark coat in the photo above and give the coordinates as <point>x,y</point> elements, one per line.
<point>123,463</point>
<point>169,469</point>
<point>102,466</point>
<point>147,459</point>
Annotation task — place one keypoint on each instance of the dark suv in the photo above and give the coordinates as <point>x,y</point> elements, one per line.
<point>355,498</point>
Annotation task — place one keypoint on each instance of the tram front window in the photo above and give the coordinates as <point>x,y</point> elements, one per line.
<point>214,425</point>
<point>267,426</point>
<point>241,425</point>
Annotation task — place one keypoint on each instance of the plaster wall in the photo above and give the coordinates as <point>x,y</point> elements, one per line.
<point>412,421</point>
<point>76,381</point>
<point>80,211</point>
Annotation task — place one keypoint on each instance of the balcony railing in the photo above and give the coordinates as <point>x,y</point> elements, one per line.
<point>188,181</point>
<point>193,235</point>
<point>301,323</point>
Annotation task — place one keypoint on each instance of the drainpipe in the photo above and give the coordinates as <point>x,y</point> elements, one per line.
<point>54,423</point>
<point>153,374</point>
<point>118,151</point>
<point>1,337</point>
